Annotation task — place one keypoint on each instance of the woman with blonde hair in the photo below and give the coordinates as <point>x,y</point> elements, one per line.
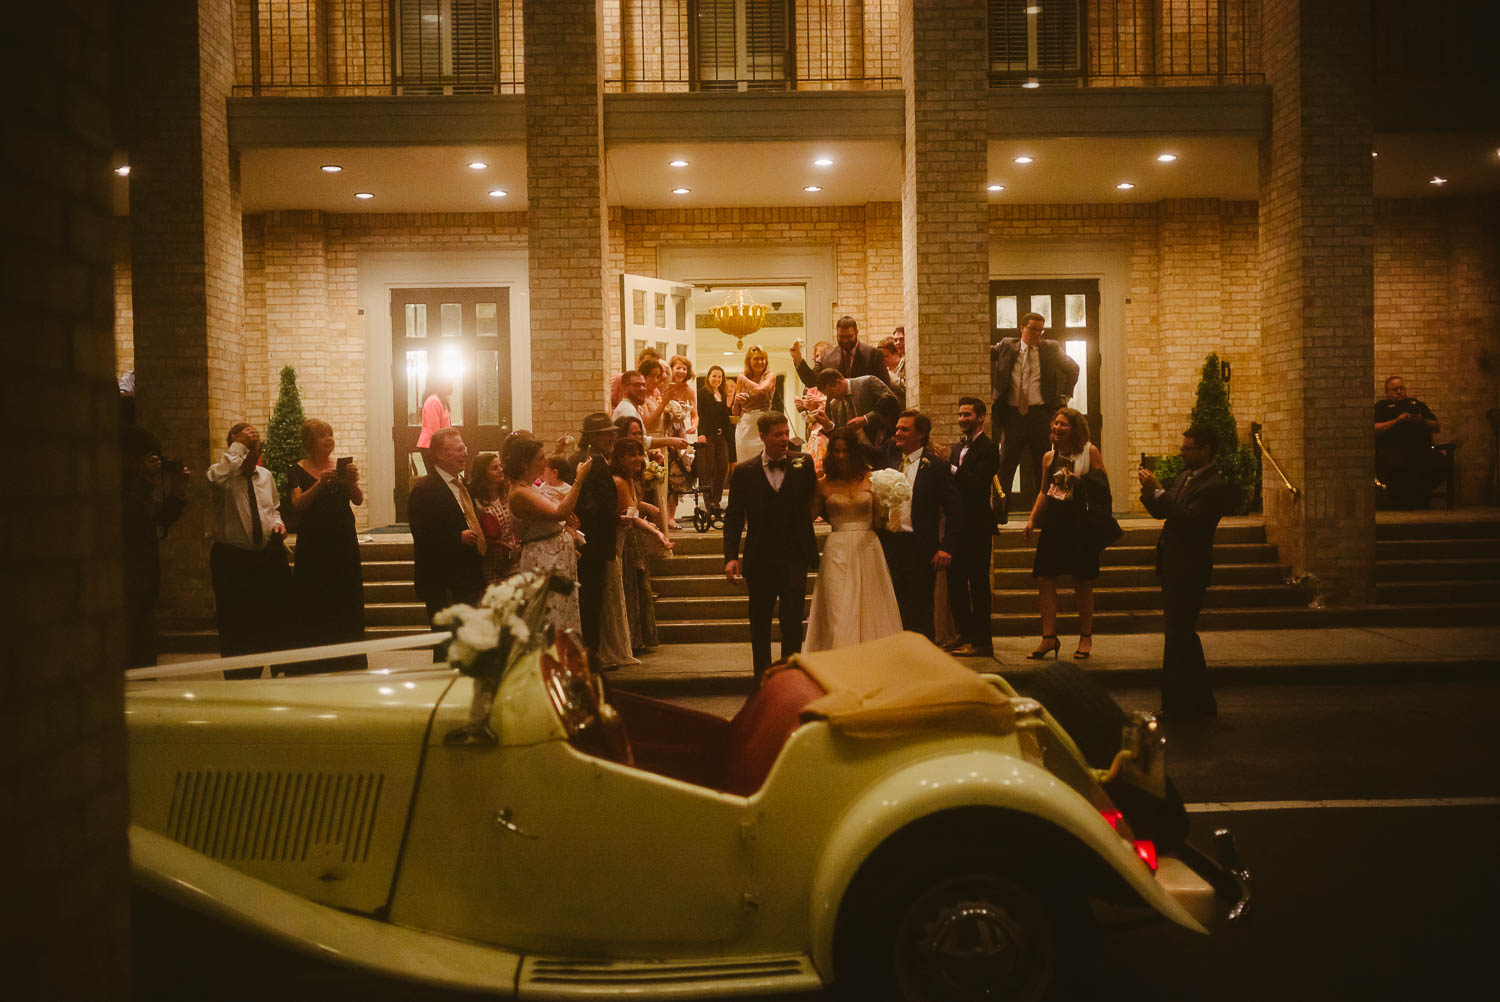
<point>326,576</point>
<point>753,393</point>
<point>1073,483</point>
<point>680,421</point>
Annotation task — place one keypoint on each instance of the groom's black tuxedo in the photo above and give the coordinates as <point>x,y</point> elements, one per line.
<point>909,554</point>
<point>969,574</point>
<point>779,548</point>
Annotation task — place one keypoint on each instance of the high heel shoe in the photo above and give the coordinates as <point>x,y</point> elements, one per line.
<point>1040,654</point>
<point>1084,655</point>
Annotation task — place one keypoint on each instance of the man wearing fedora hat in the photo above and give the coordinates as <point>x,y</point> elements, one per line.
<point>598,517</point>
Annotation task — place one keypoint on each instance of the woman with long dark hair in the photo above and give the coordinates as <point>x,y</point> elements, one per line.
<point>539,523</point>
<point>491,493</point>
<point>853,600</point>
<point>715,432</point>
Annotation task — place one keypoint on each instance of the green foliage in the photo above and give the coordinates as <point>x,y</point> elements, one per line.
<point>284,435</point>
<point>1234,461</point>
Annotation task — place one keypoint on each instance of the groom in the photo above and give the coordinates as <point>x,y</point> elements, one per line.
<point>774,495</point>
<point>916,551</point>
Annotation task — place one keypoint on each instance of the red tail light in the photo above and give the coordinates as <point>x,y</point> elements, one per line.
<point>1114,818</point>
<point>1146,849</point>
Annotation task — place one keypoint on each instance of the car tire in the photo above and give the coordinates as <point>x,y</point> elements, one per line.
<point>1093,720</point>
<point>954,927</point>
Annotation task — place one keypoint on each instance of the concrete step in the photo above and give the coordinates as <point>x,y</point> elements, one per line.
<point>1023,601</point>
<point>1455,528</point>
<point>381,548</point>
<point>1425,592</point>
<point>387,570</point>
<point>1478,568</point>
<point>1137,533</point>
<point>403,614</point>
<point>390,591</point>
<point>703,585</point>
<point>1435,549</point>
<point>1145,556</point>
<point>1140,577</point>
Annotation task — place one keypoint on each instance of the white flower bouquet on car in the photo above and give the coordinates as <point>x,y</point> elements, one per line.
<point>891,491</point>
<point>511,616</point>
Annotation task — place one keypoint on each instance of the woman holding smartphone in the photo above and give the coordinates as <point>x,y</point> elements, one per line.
<point>326,576</point>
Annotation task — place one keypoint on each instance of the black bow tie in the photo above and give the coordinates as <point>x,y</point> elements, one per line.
<point>776,464</point>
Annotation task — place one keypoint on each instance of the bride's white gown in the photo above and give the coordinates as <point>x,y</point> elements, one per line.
<point>853,600</point>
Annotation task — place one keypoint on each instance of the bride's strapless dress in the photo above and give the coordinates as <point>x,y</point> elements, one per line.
<point>853,600</point>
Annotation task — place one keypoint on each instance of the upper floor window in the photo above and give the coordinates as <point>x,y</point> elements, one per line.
<point>445,46</point>
<point>1034,37</point>
<point>741,44</point>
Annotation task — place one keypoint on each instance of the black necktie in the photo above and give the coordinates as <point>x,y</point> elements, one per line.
<point>848,363</point>
<point>257,534</point>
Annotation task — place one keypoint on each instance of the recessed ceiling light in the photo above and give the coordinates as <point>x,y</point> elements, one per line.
<point>823,162</point>
<point>1031,85</point>
<point>681,191</point>
<point>1033,9</point>
<point>498,193</point>
<point>1124,186</point>
<point>363,194</point>
<point>123,170</point>
<point>1024,160</point>
<point>812,187</point>
<point>477,165</point>
<point>1438,180</point>
<point>330,168</point>
<point>1165,158</point>
<point>996,187</point>
<point>677,163</point>
<point>1374,154</point>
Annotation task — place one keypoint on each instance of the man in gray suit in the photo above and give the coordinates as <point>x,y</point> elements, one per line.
<point>849,356</point>
<point>863,403</point>
<point>1032,379</point>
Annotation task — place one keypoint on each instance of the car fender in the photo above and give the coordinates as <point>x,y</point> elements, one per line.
<point>212,889</point>
<point>973,779</point>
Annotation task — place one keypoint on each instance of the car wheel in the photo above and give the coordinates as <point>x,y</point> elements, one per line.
<point>959,931</point>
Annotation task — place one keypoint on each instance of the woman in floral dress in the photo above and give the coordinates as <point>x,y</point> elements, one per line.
<point>539,523</point>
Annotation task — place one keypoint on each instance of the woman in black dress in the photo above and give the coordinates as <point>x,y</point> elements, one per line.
<point>715,433</point>
<point>326,576</point>
<point>1074,475</point>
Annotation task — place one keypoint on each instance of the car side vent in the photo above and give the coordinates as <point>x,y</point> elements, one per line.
<point>550,977</point>
<point>276,816</point>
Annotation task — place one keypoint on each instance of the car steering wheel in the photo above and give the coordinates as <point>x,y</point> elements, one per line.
<point>577,693</point>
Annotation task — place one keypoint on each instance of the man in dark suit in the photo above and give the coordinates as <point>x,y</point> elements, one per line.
<point>598,520</point>
<point>973,459</point>
<point>447,542</point>
<point>1032,379</point>
<point>863,404</point>
<point>849,356</point>
<point>774,495</point>
<point>1192,507</point>
<point>917,550</point>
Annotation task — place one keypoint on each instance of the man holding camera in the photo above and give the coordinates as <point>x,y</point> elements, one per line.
<point>248,561</point>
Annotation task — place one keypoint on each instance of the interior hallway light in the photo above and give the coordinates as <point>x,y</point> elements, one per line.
<point>1165,158</point>
<point>364,195</point>
<point>1124,186</point>
<point>1024,160</point>
<point>677,163</point>
<point>1438,180</point>
<point>477,165</point>
<point>123,170</point>
<point>330,168</point>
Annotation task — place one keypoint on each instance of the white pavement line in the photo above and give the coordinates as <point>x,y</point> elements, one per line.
<point>1306,805</point>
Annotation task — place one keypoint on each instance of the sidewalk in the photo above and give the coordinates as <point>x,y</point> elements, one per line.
<point>1243,657</point>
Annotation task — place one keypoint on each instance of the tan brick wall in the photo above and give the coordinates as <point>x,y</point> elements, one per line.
<point>1437,318</point>
<point>944,217</point>
<point>1317,281</point>
<point>63,796</point>
<point>566,225</point>
<point>124,309</point>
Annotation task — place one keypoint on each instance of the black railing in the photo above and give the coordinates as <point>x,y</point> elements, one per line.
<point>1124,43</point>
<point>752,45</point>
<point>352,48</point>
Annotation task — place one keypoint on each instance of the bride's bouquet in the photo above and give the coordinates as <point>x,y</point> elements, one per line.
<point>891,491</point>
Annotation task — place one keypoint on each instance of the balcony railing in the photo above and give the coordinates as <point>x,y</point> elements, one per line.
<point>750,45</point>
<point>1124,43</point>
<point>356,48</point>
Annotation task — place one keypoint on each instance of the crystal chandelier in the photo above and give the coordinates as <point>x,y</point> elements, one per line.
<point>739,316</point>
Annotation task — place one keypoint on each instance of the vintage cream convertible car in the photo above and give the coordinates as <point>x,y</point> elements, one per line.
<point>880,818</point>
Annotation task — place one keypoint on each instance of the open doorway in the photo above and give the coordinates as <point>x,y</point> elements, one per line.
<point>786,321</point>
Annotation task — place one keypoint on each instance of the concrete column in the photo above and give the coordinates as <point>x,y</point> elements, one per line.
<point>566,218</point>
<point>63,799</point>
<point>944,214</point>
<point>1317,289</point>
<point>186,259</point>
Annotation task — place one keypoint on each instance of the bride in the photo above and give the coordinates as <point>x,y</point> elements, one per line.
<point>853,600</point>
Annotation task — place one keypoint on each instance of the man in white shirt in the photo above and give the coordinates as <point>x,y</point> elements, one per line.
<point>637,402</point>
<point>1032,378</point>
<point>929,522</point>
<point>247,561</point>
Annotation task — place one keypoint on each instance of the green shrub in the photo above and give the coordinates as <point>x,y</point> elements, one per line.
<point>1234,461</point>
<point>284,434</point>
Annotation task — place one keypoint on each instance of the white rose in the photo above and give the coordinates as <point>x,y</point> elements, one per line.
<point>452,615</point>
<point>479,632</point>
<point>518,629</point>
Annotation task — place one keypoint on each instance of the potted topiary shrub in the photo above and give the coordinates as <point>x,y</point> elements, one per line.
<point>1234,460</point>
<point>284,434</point>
